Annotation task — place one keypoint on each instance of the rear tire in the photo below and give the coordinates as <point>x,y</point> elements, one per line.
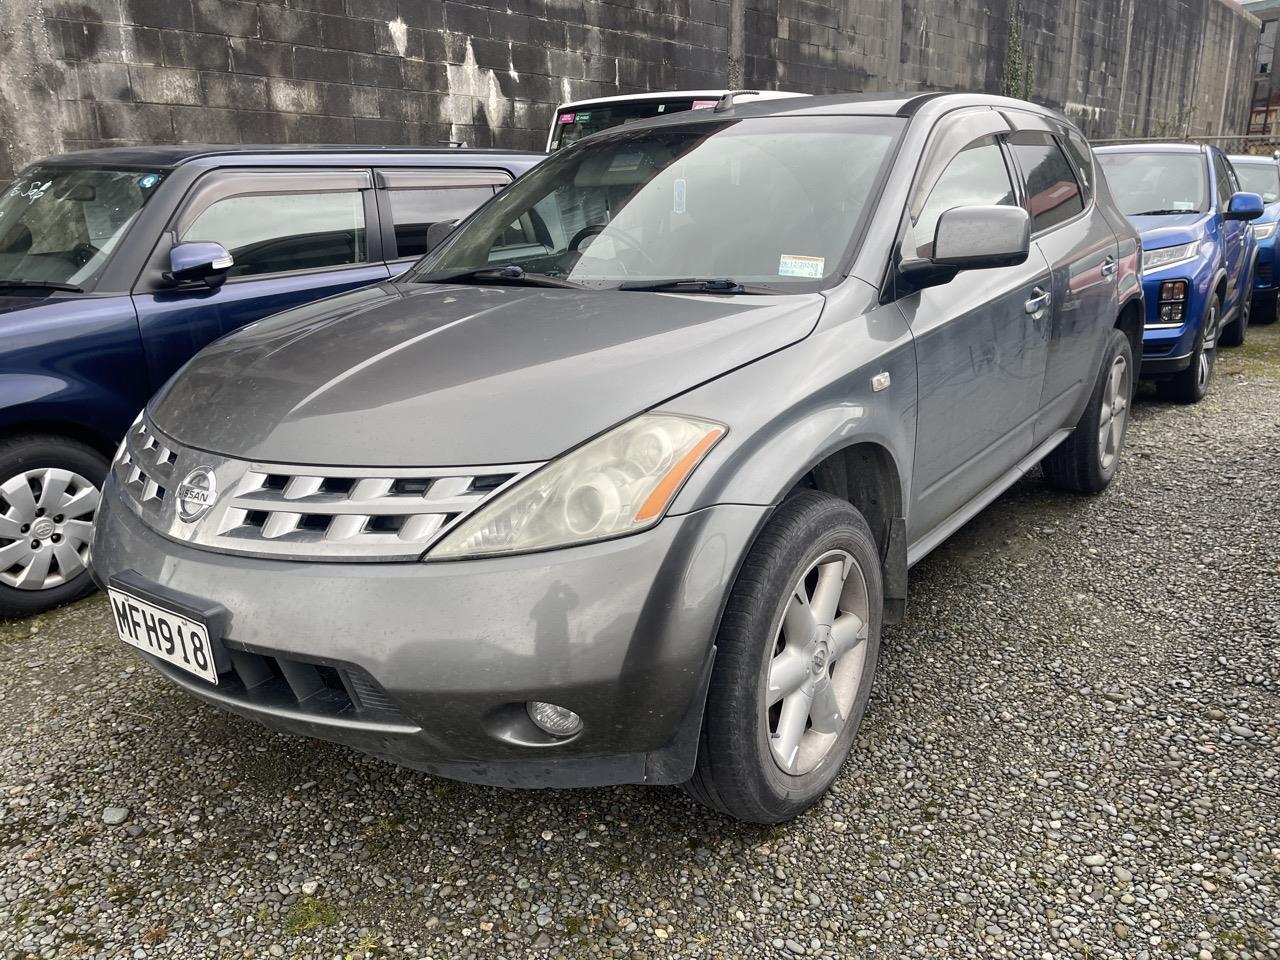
<point>1088,459</point>
<point>767,757</point>
<point>49,491</point>
<point>1192,384</point>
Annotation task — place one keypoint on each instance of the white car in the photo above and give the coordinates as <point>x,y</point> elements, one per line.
<point>579,119</point>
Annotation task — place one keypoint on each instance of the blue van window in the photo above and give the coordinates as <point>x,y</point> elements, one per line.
<point>281,232</point>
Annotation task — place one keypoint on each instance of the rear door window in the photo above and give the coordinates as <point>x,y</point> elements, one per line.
<point>413,211</point>
<point>1053,193</point>
<point>285,232</point>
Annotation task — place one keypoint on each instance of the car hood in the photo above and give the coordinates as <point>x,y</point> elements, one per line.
<point>11,302</point>
<point>1169,231</point>
<point>453,375</point>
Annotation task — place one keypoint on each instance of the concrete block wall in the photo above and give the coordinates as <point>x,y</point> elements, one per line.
<point>81,73</point>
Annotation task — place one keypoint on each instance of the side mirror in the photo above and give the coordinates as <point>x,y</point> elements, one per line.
<point>1244,206</point>
<point>438,233</point>
<point>199,262</point>
<point>971,238</point>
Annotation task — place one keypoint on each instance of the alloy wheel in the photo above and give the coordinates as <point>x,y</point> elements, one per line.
<point>46,520</point>
<point>1114,413</point>
<point>817,662</point>
<point>1202,370</point>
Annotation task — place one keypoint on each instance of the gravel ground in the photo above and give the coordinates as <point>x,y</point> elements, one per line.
<point>1073,750</point>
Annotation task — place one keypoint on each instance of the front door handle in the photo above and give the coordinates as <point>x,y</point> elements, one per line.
<point>1109,267</point>
<point>1041,299</point>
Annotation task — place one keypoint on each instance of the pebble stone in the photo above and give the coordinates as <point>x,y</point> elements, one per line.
<point>1072,752</point>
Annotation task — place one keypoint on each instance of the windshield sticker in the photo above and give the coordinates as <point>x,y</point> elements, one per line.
<point>791,265</point>
<point>148,181</point>
<point>678,189</point>
<point>704,104</point>
<point>566,118</point>
<point>1183,205</point>
<point>626,162</point>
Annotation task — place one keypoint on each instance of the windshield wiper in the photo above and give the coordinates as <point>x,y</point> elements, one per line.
<point>42,285</point>
<point>712,285</point>
<point>1161,213</point>
<point>511,273</point>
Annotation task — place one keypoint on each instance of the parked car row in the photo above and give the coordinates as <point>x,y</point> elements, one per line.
<point>1202,258</point>
<point>619,482</point>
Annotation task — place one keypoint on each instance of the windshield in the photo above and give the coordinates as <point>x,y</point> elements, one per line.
<point>574,123</point>
<point>774,201</point>
<point>1260,178</point>
<point>1157,183</point>
<point>59,224</point>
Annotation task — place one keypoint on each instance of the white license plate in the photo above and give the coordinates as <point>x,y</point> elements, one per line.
<point>172,637</point>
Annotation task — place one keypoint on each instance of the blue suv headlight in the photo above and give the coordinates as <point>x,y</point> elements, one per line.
<point>1263,231</point>
<point>1153,260</point>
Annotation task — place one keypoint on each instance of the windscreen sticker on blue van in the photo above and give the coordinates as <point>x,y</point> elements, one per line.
<point>678,190</point>
<point>791,265</point>
<point>148,180</point>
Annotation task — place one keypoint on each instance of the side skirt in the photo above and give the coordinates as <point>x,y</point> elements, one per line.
<point>927,544</point>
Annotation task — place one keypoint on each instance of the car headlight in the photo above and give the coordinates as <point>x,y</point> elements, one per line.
<point>1167,256</point>
<point>1263,231</point>
<point>621,482</point>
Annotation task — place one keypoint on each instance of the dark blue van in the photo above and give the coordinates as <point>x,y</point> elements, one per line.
<point>117,265</point>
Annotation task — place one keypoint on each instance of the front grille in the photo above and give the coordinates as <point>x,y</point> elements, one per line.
<point>303,512</point>
<point>303,687</point>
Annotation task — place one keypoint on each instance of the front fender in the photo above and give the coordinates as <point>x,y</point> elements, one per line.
<point>792,409</point>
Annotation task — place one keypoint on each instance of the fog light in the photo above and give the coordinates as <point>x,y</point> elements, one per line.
<point>555,720</point>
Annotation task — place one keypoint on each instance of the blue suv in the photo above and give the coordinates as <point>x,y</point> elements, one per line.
<point>1261,175</point>
<point>1197,256</point>
<point>117,265</point>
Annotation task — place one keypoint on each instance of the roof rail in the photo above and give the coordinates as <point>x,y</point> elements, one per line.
<point>909,108</point>
<point>726,101</point>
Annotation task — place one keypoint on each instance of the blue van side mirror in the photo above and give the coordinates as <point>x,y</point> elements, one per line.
<point>1244,206</point>
<point>199,262</point>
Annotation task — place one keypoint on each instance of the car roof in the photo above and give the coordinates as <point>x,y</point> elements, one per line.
<point>1142,147</point>
<point>905,105</point>
<point>708,94</point>
<point>1258,158</point>
<point>178,154</point>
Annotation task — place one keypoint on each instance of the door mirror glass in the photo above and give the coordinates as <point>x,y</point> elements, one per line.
<point>977,238</point>
<point>1244,206</point>
<point>439,232</point>
<point>199,261</point>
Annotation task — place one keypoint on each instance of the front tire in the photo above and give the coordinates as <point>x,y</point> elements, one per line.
<point>1266,308</point>
<point>1088,459</point>
<point>49,491</point>
<point>1192,384</point>
<point>1234,335</point>
<point>796,654</point>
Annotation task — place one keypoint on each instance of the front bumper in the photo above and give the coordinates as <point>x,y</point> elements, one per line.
<point>1167,349</point>
<point>430,664</point>
<point>1264,269</point>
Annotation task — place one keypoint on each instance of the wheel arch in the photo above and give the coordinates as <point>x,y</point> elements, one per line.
<point>61,428</point>
<point>1130,321</point>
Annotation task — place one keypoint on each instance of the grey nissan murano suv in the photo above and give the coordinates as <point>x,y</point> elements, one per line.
<point>621,481</point>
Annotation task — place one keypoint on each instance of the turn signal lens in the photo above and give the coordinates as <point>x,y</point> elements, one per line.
<point>621,482</point>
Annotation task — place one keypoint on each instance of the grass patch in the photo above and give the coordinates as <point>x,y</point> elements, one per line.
<point>1259,357</point>
<point>309,914</point>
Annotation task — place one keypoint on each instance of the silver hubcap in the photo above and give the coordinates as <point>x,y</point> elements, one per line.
<point>46,518</point>
<point>816,668</point>
<point>1115,411</point>
<point>1202,368</point>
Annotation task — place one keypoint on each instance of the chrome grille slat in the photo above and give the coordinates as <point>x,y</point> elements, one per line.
<point>304,512</point>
